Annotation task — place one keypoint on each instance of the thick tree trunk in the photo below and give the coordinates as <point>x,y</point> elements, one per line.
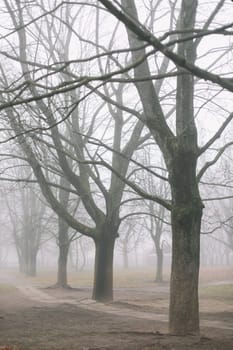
<point>186,224</point>
<point>184,308</point>
<point>103,276</point>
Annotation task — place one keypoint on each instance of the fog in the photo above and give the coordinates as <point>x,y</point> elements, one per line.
<point>140,251</point>
<point>116,169</point>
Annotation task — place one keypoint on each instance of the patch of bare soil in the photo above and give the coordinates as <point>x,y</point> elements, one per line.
<point>31,325</point>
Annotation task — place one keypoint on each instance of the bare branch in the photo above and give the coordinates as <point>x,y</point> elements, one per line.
<point>143,34</point>
<point>217,134</point>
<point>138,190</point>
<point>145,213</point>
<point>216,158</point>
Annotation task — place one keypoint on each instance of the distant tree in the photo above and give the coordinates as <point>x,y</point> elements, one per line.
<point>222,228</point>
<point>28,221</point>
<point>79,253</point>
<point>157,222</point>
<point>131,235</point>
<point>156,231</point>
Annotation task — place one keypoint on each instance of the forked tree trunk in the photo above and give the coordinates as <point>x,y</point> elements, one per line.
<point>103,275</point>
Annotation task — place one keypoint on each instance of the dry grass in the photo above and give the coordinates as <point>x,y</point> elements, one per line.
<point>134,277</point>
<point>137,277</point>
<point>222,273</point>
<point>224,292</point>
<point>5,288</point>
<point>131,278</point>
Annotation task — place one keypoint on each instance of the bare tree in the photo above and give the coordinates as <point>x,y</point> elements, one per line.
<point>141,59</point>
<point>67,150</point>
<point>157,222</point>
<point>180,146</point>
<point>28,221</point>
<point>130,236</point>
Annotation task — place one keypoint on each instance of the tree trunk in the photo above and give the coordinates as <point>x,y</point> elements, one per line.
<point>125,256</point>
<point>64,245</point>
<point>62,266</point>
<point>81,266</point>
<point>31,268</point>
<point>21,261</point>
<point>27,257</point>
<point>186,224</point>
<point>227,252</point>
<point>103,276</point>
<point>159,266</point>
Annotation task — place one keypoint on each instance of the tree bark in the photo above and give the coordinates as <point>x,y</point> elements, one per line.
<point>62,266</point>
<point>103,275</point>
<point>64,245</point>
<point>186,224</point>
<point>185,271</point>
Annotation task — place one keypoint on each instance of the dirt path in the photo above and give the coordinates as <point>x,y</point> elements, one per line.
<point>32,318</point>
<point>89,304</point>
<point>79,298</point>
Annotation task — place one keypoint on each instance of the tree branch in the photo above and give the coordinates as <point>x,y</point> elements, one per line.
<point>143,34</point>
<point>216,135</point>
<point>216,158</point>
